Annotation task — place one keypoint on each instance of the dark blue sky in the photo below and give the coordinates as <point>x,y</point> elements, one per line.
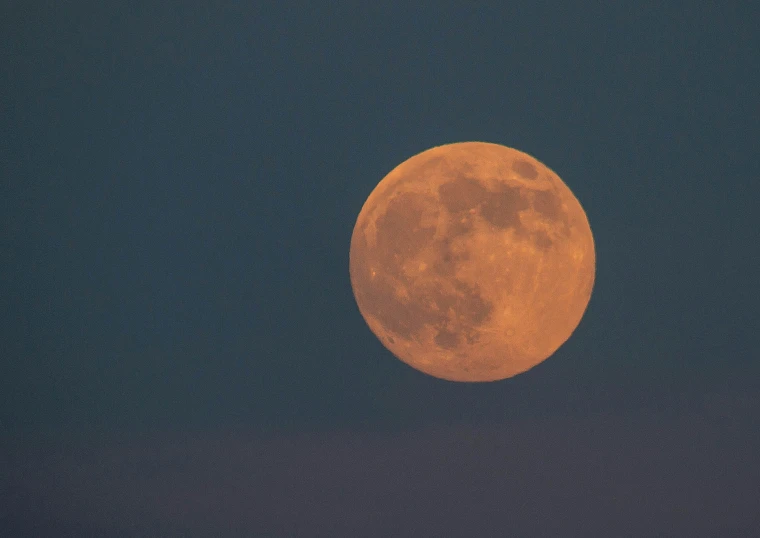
<point>179,183</point>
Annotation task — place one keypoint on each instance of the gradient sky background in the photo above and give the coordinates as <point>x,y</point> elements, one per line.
<point>180,351</point>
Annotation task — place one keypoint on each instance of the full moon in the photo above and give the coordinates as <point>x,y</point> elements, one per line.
<point>472,262</point>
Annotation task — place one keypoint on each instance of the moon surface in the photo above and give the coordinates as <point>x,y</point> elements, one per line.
<point>472,262</point>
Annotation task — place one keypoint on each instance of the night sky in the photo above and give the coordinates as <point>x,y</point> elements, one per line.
<point>180,350</point>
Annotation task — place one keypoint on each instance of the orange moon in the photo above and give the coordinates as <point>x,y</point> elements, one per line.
<point>472,262</point>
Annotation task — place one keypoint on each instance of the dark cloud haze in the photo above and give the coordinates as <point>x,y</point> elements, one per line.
<point>180,351</point>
